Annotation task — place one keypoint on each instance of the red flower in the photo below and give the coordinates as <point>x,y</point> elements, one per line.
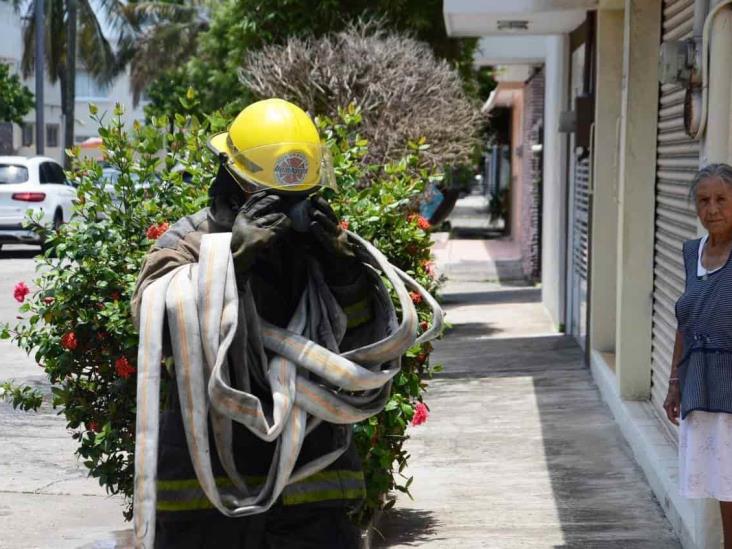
<point>421,358</point>
<point>48,300</point>
<point>123,367</point>
<point>416,298</point>
<point>421,222</point>
<point>424,325</point>
<point>116,296</point>
<point>69,341</point>
<point>421,413</point>
<point>156,231</point>
<point>429,266</point>
<point>92,426</point>
<point>20,291</point>
<point>344,224</point>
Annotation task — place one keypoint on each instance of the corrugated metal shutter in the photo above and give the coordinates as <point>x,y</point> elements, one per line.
<point>581,217</point>
<point>678,159</point>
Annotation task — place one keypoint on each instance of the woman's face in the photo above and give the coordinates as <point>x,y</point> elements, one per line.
<point>714,205</point>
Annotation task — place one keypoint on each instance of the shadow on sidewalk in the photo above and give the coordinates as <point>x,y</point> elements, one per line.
<point>520,451</point>
<point>415,527</point>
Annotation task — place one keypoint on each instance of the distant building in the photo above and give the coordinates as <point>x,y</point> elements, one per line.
<point>20,139</point>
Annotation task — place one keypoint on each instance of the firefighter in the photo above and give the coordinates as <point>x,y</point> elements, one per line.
<point>271,162</point>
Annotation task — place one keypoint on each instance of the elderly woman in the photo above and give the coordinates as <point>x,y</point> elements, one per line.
<point>700,386</point>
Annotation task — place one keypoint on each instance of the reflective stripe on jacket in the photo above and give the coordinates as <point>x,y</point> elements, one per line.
<point>329,485</point>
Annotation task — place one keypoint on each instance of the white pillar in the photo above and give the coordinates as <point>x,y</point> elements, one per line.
<point>605,179</point>
<point>554,209</point>
<point>636,193</point>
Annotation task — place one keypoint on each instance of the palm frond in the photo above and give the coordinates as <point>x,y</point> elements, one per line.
<point>94,48</point>
<point>55,37</point>
<point>141,14</point>
<point>161,48</point>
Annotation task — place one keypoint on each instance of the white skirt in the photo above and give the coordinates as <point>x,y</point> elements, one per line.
<point>705,455</point>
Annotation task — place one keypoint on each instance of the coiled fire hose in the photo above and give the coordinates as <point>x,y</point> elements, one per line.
<point>201,302</point>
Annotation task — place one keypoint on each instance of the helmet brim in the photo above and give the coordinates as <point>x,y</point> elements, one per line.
<point>219,144</point>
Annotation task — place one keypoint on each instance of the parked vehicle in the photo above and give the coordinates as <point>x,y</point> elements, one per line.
<point>109,179</point>
<point>36,183</point>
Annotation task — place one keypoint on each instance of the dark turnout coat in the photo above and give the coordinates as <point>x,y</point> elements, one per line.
<point>276,280</point>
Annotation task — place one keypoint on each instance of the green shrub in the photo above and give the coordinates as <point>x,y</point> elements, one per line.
<point>77,318</point>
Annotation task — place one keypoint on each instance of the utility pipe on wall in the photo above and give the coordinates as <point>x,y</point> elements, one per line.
<point>717,29</point>
<point>718,142</point>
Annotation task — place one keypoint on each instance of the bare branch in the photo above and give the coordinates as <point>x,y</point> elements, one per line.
<point>403,90</point>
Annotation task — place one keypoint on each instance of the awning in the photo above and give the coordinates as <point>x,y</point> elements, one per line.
<point>91,143</point>
<point>506,17</point>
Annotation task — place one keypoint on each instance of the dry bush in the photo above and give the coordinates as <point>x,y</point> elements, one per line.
<point>404,92</point>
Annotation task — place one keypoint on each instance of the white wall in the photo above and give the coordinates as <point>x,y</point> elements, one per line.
<point>554,210</point>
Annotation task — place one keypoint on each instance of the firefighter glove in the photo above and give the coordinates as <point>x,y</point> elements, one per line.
<point>258,225</point>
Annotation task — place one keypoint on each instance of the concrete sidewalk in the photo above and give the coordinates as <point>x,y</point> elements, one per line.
<point>519,450</point>
<point>47,499</point>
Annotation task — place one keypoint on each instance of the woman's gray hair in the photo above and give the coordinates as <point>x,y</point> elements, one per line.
<point>721,170</point>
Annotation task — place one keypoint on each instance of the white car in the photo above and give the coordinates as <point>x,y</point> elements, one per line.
<point>36,183</point>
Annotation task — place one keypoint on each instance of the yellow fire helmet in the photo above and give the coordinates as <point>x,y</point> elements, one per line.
<point>274,144</point>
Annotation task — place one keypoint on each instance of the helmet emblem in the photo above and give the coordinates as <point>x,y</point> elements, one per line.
<point>291,168</point>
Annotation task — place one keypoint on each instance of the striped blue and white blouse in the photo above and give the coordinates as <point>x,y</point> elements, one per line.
<point>704,315</point>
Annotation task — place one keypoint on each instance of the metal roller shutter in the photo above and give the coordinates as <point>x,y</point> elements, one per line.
<point>581,217</point>
<point>678,159</point>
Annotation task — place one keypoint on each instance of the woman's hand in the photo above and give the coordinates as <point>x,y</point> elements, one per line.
<point>672,404</point>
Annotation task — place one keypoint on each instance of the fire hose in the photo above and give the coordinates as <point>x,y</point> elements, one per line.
<point>309,382</point>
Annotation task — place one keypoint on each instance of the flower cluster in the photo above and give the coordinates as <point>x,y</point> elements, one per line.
<point>415,297</point>
<point>69,341</point>
<point>123,367</point>
<point>157,230</point>
<point>421,413</point>
<point>421,222</point>
<point>20,291</point>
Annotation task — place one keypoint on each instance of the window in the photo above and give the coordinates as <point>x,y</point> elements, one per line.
<point>50,172</point>
<point>52,135</point>
<point>58,174</point>
<point>12,173</point>
<point>88,88</point>
<point>28,134</point>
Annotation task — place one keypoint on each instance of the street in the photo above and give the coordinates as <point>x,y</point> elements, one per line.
<point>46,498</point>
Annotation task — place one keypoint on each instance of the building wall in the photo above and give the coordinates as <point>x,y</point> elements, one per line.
<point>554,183</point>
<point>530,222</point>
<point>11,51</point>
<point>653,157</point>
<point>517,167</point>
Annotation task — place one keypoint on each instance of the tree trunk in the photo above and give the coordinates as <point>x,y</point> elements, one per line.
<point>69,99</point>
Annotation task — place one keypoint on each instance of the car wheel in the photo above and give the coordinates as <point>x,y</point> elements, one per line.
<point>58,220</point>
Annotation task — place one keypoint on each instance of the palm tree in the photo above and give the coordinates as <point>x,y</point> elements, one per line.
<point>75,27</point>
<point>164,39</point>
